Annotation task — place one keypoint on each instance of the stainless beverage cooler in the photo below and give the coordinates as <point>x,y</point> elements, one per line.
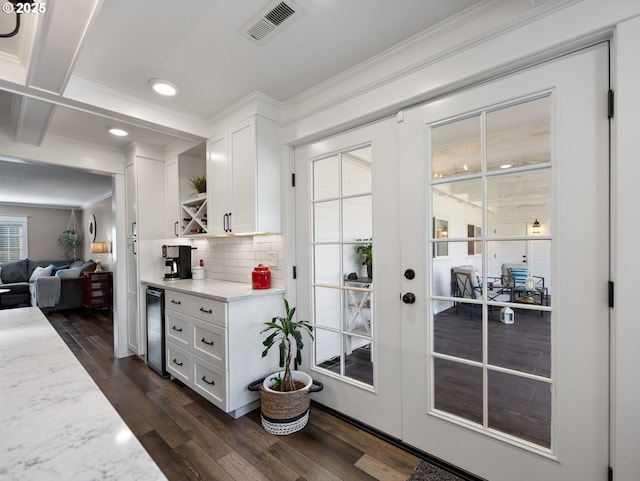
<point>155,331</point>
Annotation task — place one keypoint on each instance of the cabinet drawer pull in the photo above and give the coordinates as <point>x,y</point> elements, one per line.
<point>206,342</point>
<point>204,378</point>
<point>206,311</point>
<point>178,329</point>
<point>173,301</point>
<point>175,361</point>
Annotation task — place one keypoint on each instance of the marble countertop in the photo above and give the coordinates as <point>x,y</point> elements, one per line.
<point>56,423</point>
<point>224,291</point>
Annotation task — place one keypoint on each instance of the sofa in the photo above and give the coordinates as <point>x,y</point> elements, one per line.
<point>48,284</point>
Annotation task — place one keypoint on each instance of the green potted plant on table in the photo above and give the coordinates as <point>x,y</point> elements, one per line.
<point>285,395</point>
<point>366,253</point>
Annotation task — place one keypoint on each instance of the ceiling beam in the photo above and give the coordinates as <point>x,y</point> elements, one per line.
<point>51,63</point>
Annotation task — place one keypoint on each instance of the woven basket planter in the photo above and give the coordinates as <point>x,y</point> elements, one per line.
<point>285,412</point>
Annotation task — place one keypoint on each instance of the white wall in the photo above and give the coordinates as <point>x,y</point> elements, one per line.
<point>104,230</point>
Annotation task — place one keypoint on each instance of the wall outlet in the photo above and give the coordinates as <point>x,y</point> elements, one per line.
<point>272,259</point>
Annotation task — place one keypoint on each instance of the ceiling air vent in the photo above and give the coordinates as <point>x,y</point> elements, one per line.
<point>270,19</point>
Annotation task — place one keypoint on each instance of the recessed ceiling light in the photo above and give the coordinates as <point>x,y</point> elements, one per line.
<point>117,132</point>
<point>163,87</point>
<point>505,166</point>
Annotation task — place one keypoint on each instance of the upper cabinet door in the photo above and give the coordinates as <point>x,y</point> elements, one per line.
<point>243,178</point>
<point>218,186</point>
<point>243,172</point>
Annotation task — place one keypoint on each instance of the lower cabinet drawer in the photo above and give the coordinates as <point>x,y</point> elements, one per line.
<point>177,328</point>
<point>209,310</point>
<point>210,381</point>
<point>177,301</point>
<point>178,362</point>
<point>209,342</point>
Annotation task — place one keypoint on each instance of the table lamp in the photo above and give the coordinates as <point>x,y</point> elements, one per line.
<point>99,248</point>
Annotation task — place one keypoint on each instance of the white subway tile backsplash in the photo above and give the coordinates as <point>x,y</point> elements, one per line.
<point>233,258</point>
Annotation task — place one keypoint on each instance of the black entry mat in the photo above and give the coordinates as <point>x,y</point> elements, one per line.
<point>426,471</point>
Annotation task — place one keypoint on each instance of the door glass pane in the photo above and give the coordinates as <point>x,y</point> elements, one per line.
<point>462,197</point>
<point>523,346</point>
<point>327,350</point>
<point>519,135</point>
<point>327,264</point>
<point>456,148</point>
<point>356,172</point>
<point>457,331</point>
<point>326,178</point>
<point>358,363</point>
<point>342,261</point>
<point>458,389</point>
<point>326,221</point>
<point>357,222</point>
<point>327,307</point>
<point>491,278</point>
<point>520,195</point>
<point>520,407</point>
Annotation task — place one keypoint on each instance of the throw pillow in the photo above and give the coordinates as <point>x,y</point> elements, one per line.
<point>40,272</point>
<point>58,268</point>
<point>69,273</point>
<point>519,276</point>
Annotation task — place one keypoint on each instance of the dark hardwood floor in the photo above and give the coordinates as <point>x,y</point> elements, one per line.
<point>190,439</point>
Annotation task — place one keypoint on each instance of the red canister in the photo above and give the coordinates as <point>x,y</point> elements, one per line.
<point>261,277</point>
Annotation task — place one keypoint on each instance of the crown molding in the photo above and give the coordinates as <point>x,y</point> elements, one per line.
<point>478,24</point>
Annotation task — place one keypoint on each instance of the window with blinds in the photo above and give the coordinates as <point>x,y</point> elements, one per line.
<point>13,238</point>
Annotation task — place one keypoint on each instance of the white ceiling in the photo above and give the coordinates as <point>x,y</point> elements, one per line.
<point>84,65</point>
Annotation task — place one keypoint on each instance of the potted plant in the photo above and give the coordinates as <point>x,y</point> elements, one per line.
<point>69,241</point>
<point>365,252</point>
<point>285,395</point>
<point>199,183</point>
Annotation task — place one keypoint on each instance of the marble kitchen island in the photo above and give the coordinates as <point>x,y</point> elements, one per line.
<point>56,423</point>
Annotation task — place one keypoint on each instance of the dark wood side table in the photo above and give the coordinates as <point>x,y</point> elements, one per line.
<point>98,288</point>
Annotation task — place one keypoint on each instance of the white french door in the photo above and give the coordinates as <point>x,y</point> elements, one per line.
<point>408,350</point>
<point>346,198</point>
<point>527,400</point>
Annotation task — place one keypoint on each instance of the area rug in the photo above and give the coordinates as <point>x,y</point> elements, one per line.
<point>426,471</point>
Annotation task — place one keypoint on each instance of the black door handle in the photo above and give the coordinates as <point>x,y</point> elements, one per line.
<point>410,274</point>
<point>409,298</point>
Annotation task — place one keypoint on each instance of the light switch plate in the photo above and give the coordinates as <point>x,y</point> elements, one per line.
<point>272,258</point>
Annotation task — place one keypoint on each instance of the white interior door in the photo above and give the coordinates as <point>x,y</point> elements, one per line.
<point>346,200</point>
<point>532,145</point>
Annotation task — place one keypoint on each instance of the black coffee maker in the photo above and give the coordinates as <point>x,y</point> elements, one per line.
<point>177,262</point>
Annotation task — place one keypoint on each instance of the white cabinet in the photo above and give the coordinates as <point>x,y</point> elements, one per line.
<point>215,347</point>
<point>172,199</point>
<point>243,174</point>
<point>145,221</point>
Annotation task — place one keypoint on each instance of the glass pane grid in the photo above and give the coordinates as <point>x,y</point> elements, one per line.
<point>481,359</point>
<point>342,222</point>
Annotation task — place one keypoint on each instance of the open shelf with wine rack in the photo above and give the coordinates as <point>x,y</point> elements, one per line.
<point>194,215</point>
